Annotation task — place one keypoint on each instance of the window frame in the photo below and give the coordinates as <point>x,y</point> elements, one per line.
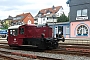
<point>67,30</point>
<point>13,32</point>
<point>80,13</point>
<point>82,31</point>
<point>21,30</point>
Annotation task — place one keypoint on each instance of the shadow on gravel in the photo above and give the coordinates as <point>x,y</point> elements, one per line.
<point>28,49</point>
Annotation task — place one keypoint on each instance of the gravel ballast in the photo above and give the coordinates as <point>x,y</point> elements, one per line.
<point>57,56</point>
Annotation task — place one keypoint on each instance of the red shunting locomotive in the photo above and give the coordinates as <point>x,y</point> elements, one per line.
<point>32,35</point>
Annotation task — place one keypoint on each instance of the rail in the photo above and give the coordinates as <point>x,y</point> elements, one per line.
<point>77,41</point>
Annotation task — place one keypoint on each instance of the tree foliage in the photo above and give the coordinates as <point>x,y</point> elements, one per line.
<point>63,18</point>
<point>5,26</point>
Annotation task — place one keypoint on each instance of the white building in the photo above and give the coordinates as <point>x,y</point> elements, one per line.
<point>48,15</point>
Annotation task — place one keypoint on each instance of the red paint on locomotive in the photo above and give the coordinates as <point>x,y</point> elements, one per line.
<point>31,35</point>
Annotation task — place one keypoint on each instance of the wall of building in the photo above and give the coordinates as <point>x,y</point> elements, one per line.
<point>60,12</point>
<point>74,26</point>
<point>77,2</point>
<point>42,20</point>
<point>65,29</point>
<point>78,5</point>
<point>29,17</point>
<point>79,28</point>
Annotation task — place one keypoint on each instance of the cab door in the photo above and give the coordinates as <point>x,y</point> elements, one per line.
<point>22,32</point>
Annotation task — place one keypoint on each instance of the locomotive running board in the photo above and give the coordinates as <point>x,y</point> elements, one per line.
<point>29,45</point>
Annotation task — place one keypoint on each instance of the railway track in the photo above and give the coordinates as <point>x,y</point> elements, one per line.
<point>79,46</point>
<point>72,49</point>
<point>6,54</point>
<point>11,56</point>
<point>67,49</point>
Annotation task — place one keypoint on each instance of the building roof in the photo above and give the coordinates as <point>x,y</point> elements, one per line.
<point>9,18</point>
<point>24,15</point>
<point>52,10</point>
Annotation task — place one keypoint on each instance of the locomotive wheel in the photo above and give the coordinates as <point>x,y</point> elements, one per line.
<point>63,39</point>
<point>55,45</point>
<point>50,47</point>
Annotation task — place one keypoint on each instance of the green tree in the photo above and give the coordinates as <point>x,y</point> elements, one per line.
<point>63,18</point>
<point>5,26</point>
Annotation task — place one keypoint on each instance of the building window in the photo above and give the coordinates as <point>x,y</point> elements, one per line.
<point>43,19</point>
<point>67,30</point>
<point>78,12</point>
<point>29,22</point>
<point>18,18</point>
<point>47,18</point>
<point>39,15</point>
<point>48,13</point>
<point>82,12</point>
<point>15,18</point>
<point>82,31</point>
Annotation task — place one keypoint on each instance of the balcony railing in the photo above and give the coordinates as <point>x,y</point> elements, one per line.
<point>51,20</point>
<point>35,22</point>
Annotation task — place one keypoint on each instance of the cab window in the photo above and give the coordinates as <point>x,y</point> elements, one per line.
<point>14,32</point>
<point>21,30</point>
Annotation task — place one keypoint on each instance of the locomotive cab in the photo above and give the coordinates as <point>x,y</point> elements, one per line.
<point>13,39</point>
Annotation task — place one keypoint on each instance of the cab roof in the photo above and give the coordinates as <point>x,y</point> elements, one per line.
<point>17,26</point>
<point>14,27</point>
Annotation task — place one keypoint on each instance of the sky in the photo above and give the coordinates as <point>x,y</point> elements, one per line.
<point>16,7</point>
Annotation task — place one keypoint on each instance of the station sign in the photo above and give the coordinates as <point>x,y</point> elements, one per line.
<point>82,18</point>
